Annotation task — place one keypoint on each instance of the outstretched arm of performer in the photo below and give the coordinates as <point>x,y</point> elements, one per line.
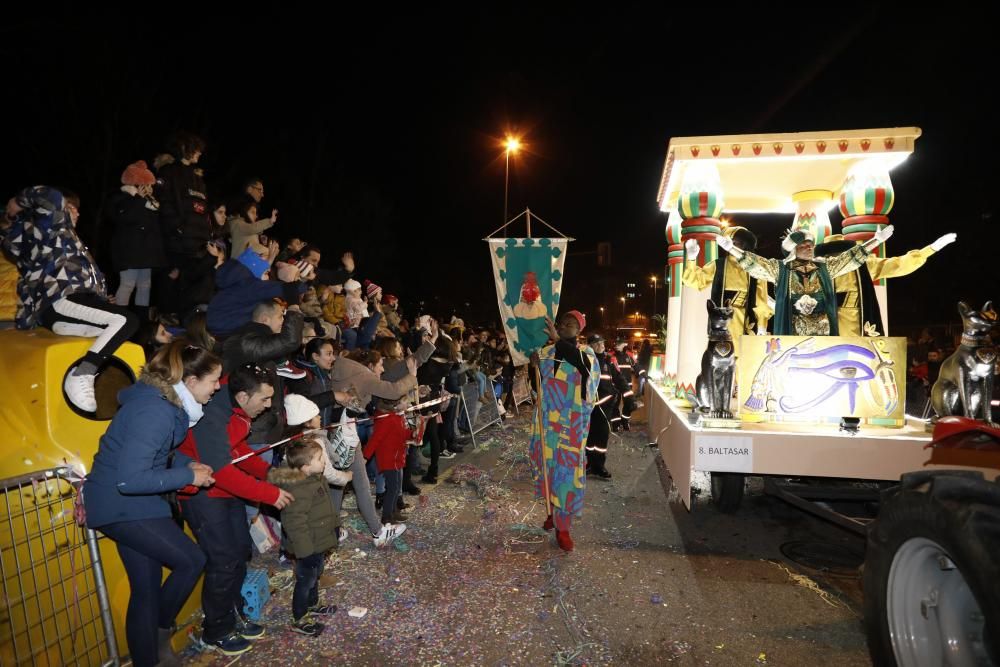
<point>850,260</point>
<point>761,268</point>
<point>943,241</point>
<point>698,277</point>
<point>903,265</point>
<point>880,237</point>
<point>727,244</point>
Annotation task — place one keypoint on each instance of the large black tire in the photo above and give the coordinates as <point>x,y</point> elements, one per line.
<point>727,490</point>
<point>959,512</point>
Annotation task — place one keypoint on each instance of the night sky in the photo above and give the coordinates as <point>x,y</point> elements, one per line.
<point>381,133</point>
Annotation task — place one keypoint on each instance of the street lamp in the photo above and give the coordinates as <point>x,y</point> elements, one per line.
<point>512,145</point>
<point>601,308</point>
<point>623,307</point>
<point>654,294</point>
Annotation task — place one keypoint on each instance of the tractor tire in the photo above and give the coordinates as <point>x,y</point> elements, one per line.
<point>932,573</point>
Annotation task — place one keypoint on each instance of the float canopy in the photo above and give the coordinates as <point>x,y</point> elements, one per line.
<point>760,173</point>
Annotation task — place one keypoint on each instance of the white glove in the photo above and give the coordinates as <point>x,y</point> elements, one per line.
<point>883,234</point>
<point>691,249</point>
<point>724,242</point>
<point>945,240</point>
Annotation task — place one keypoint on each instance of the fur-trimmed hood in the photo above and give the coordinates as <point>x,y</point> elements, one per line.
<point>163,387</point>
<point>284,477</point>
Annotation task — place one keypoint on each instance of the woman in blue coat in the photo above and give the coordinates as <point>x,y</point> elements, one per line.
<point>123,494</point>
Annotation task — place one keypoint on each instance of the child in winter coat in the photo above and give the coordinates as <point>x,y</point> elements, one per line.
<point>309,523</point>
<point>357,309</point>
<point>303,415</point>
<point>388,444</point>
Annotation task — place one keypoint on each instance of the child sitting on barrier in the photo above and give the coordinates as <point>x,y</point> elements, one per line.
<point>61,287</point>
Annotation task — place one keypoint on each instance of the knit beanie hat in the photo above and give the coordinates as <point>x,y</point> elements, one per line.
<point>299,409</point>
<point>138,173</point>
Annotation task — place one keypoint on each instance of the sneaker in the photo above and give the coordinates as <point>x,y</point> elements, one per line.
<point>323,609</point>
<point>456,449</point>
<point>232,644</point>
<point>247,628</point>
<point>251,630</point>
<point>307,628</point>
<point>286,370</point>
<point>341,535</point>
<point>447,454</point>
<point>80,391</point>
<point>388,533</point>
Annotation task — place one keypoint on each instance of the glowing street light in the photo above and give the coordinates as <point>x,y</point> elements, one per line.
<point>512,145</point>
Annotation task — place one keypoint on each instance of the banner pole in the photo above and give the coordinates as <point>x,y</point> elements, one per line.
<point>541,440</point>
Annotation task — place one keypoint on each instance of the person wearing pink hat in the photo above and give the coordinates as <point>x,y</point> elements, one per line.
<point>137,245</point>
<point>568,376</point>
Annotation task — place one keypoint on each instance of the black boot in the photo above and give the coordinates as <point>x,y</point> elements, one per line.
<point>408,485</point>
<point>595,465</point>
<point>378,500</point>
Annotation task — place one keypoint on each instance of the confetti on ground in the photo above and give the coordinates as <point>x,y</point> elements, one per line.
<point>475,579</point>
<point>805,582</point>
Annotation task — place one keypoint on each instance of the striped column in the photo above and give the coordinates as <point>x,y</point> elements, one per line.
<point>866,198</point>
<point>699,205</point>
<point>675,269</point>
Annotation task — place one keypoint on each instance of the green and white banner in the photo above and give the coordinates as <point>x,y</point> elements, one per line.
<point>528,275</point>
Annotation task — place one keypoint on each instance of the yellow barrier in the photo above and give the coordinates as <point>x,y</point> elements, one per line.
<point>39,431</point>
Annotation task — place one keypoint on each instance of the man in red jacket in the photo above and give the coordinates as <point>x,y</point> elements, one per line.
<point>217,515</point>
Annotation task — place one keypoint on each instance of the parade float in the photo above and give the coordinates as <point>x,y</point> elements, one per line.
<point>802,410</point>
